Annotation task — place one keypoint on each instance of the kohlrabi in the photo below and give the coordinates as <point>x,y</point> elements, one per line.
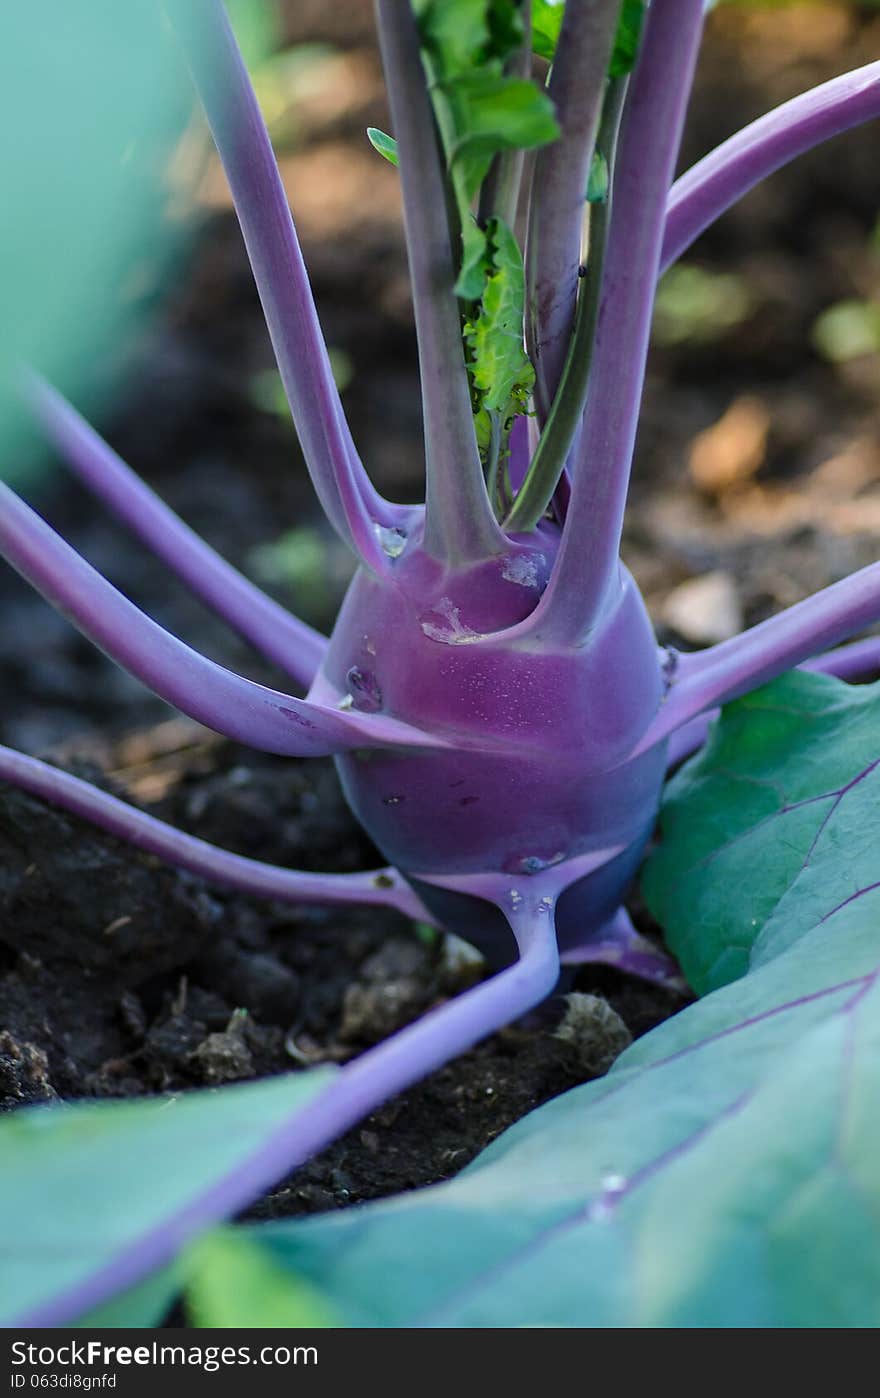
<point>500,713</point>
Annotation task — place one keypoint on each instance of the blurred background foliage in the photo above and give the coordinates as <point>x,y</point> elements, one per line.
<point>98,159</point>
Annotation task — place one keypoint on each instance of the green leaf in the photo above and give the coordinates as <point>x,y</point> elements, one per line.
<point>231,1281</point>
<point>506,32</point>
<point>454,31</point>
<point>724,1173</point>
<point>626,41</point>
<point>80,1185</point>
<point>474,260</point>
<point>500,368</point>
<point>140,1307</point>
<point>546,24</point>
<point>464,34</point>
<point>771,826</point>
<point>597,181</point>
<point>492,113</point>
<point>385,145</point>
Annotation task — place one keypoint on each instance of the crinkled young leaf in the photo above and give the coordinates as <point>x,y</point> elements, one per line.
<point>775,821</point>
<point>82,1185</point>
<point>500,368</point>
<point>724,1173</point>
<point>385,145</point>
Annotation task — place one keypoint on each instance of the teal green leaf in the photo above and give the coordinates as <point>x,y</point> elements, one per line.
<point>232,1281</point>
<point>500,369</point>
<point>140,1307</point>
<point>80,1185</point>
<point>723,1174</point>
<point>385,145</point>
<point>771,826</point>
<point>94,101</point>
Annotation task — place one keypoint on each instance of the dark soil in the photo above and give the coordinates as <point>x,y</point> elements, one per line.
<point>122,976</point>
<point>119,976</point>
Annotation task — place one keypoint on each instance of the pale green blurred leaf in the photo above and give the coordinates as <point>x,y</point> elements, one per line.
<point>231,1281</point>
<point>848,330</point>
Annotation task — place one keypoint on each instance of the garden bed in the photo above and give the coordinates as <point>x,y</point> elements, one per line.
<point>120,977</point>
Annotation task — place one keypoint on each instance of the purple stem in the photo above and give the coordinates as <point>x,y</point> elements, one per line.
<point>618,944</point>
<point>586,566</point>
<point>228,703</point>
<point>273,631</point>
<point>688,739</point>
<point>715,183</point>
<point>383,887</point>
<point>242,141</point>
<point>358,1089</point>
<point>855,661</point>
<point>556,209</point>
<point>723,672</point>
<point>460,525</point>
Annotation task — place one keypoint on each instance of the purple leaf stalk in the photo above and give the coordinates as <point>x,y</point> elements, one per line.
<point>500,713</point>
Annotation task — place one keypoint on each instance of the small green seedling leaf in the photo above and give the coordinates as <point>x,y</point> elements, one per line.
<point>771,826</point>
<point>231,1281</point>
<point>385,145</point>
